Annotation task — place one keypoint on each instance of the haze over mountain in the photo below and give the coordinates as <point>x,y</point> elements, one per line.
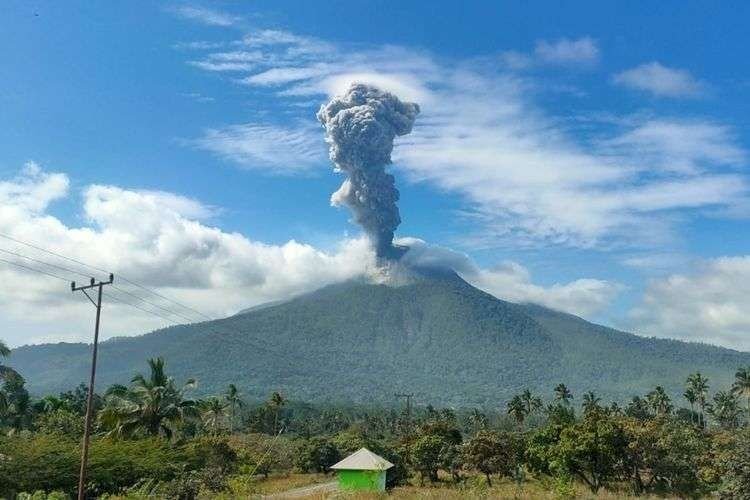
<point>436,336</point>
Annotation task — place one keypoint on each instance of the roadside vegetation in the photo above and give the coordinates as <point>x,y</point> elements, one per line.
<point>152,438</point>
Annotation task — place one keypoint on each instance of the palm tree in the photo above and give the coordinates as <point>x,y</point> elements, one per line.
<point>659,401</point>
<point>152,406</point>
<point>590,402</point>
<point>277,401</point>
<point>4,353</point>
<point>213,414</point>
<point>478,420</point>
<point>726,409</point>
<point>691,397</point>
<point>517,409</point>
<point>232,396</point>
<point>563,394</point>
<point>741,385</point>
<point>531,402</point>
<point>699,384</point>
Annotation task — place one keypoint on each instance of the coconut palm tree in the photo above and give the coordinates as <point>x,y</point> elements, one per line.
<point>741,385</point>
<point>699,384</point>
<point>152,405</point>
<point>590,402</point>
<point>563,394</point>
<point>214,413</point>
<point>531,403</point>
<point>232,396</point>
<point>517,410</point>
<point>726,409</point>
<point>276,402</point>
<point>691,398</point>
<point>4,353</point>
<point>478,420</point>
<point>659,401</point>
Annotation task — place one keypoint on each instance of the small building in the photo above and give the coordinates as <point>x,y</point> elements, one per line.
<point>362,471</point>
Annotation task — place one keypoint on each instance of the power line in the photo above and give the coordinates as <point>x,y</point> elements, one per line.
<point>44,263</point>
<point>29,268</point>
<point>120,277</point>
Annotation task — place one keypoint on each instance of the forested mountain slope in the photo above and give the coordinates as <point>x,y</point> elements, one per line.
<point>438,337</point>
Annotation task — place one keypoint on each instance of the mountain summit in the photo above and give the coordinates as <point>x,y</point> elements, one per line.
<point>436,336</point>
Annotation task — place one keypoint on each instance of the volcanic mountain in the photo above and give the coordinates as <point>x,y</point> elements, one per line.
<point>436,336</point>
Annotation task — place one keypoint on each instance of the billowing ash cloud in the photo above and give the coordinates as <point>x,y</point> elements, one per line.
<point>360,128</point>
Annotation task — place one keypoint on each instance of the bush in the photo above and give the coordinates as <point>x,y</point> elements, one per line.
<point>317,455</point>
<point>51,462</point>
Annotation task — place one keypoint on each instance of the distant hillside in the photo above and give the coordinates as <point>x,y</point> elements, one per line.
<point>438,337</point>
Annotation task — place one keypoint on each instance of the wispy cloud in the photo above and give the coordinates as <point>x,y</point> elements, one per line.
<point>661,80</point>
<point>525,177</point>
<point>274,149</point>
<point>573,53</point>
<point>566,51</point>
<point>206,15</point>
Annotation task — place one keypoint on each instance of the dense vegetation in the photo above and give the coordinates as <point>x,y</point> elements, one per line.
<point>153,438</point>
<point>357,343</point>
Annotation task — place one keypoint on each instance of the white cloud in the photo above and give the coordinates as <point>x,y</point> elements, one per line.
<point>565,51</point>
<point>207,16</point>
<point>512,281</point>
<point>660,80</point>
<point>521,172</point>
<point>276,149</point>
<point>709,304</point>
<point>162,241</point>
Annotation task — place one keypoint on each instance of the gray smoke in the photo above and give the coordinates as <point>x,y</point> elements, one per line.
<point>360,128</point>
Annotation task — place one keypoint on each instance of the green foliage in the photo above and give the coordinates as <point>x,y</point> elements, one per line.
<point>150,407</point>
<point>60,421</point>
<point>492,452</point>
<point>317,455</point>
<point>50,462</point>
<point>735,468</point>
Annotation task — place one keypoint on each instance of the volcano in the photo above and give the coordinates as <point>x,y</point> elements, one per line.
<point>358,342</point>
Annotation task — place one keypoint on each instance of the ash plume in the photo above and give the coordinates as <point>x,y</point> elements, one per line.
<point>360,128</point>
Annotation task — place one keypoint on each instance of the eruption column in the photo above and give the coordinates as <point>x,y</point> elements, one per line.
<point>360,128</point>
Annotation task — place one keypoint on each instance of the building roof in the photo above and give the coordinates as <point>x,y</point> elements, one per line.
<point>363,459</point>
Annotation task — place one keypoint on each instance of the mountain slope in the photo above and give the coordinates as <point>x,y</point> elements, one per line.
<point>438,337</point>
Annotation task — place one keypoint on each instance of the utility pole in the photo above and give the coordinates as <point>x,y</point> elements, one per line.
<point>408,419</point>
<point>90,399</point>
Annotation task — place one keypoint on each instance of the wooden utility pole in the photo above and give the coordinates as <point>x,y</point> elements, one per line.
<point>90,399</point>
<point>408,413</point>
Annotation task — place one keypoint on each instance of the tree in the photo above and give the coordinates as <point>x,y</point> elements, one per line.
<point>276,402</point>
<point>659,402</point>
<point>517,410</point>
<point>150,406</point>
<point>726,409</point>
<point>232,395</point>
<point>699,385</point>
<point>15,403</point>
<point>490,453</point>
<point>591,450</point>
<point>590,402</point>
<point>638,408</point>
<point>477,420</point>
<point>426,454</point>
<point>531,402</point>
<point>317,455</point>
<point>741,385</point>
<point>563,394</point>
<point>214,413</point>
<point>691,398</point>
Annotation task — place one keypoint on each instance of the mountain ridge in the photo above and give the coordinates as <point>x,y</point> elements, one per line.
<point>360,342</point>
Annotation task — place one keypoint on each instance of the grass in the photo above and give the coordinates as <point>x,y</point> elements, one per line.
<point>475,487</point>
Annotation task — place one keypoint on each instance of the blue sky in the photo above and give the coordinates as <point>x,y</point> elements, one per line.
<point>590,158</point>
